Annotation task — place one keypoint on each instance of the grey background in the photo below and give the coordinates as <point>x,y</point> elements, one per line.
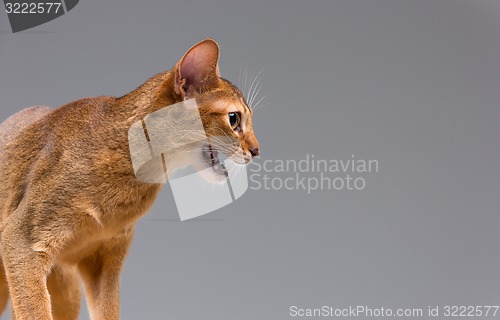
<point>414,84</point>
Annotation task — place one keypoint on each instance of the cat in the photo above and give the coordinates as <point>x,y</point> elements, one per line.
<point>69,198</point>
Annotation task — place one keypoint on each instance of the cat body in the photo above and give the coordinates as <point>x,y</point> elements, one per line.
<point>69,198</point>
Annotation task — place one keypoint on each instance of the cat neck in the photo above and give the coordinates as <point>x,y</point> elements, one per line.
<point>156,93</point>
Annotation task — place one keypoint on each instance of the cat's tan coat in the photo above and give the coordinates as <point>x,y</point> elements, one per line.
<point>69,198</point>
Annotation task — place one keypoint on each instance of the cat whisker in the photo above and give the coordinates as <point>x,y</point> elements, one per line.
<point>252,88</point>
<point>242,79</point>
<point>199,134</point>
<point>239,77</point>
<point>261,106</point>
<point>256,93</point>
<point>218,128</point>
<point>245,89</point>
<point>258,105</point>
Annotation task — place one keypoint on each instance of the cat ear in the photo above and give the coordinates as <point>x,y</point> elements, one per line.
<point>198,68</point>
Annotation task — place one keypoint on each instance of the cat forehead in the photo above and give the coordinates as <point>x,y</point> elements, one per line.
<point>229,106</point>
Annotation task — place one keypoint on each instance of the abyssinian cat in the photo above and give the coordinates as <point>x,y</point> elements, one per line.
<point>69,198</point>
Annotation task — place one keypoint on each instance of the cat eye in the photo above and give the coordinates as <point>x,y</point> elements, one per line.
<point>234,120</point>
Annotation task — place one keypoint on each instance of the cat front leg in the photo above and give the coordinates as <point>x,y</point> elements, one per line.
<point>4,289</point>
<point>100,272</point>
<point>64,288</point>
<point>26,272</point>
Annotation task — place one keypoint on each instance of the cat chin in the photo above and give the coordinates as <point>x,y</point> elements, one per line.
<point>209,167</point>
<point>211,176</point>
<point>204,168</point>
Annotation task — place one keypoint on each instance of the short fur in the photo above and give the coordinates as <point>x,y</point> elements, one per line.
<point>69,198</point>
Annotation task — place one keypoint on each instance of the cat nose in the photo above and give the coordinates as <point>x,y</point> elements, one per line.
<point>255,152</point>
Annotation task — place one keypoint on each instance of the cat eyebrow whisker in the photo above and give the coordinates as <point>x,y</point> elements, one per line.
<point>252,88</point>
<point>245,91</point>
<point>240,80</point>
<point>262,106</point>
<point>258,104</point>
<point>256,92</point>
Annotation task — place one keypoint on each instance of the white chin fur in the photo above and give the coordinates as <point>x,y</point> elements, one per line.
<point>213,177</point>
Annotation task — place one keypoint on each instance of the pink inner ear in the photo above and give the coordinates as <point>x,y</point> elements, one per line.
<point>200,63</point>
<point>193,68</point>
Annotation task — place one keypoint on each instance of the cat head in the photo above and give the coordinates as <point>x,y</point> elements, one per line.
<point>225,114</point>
